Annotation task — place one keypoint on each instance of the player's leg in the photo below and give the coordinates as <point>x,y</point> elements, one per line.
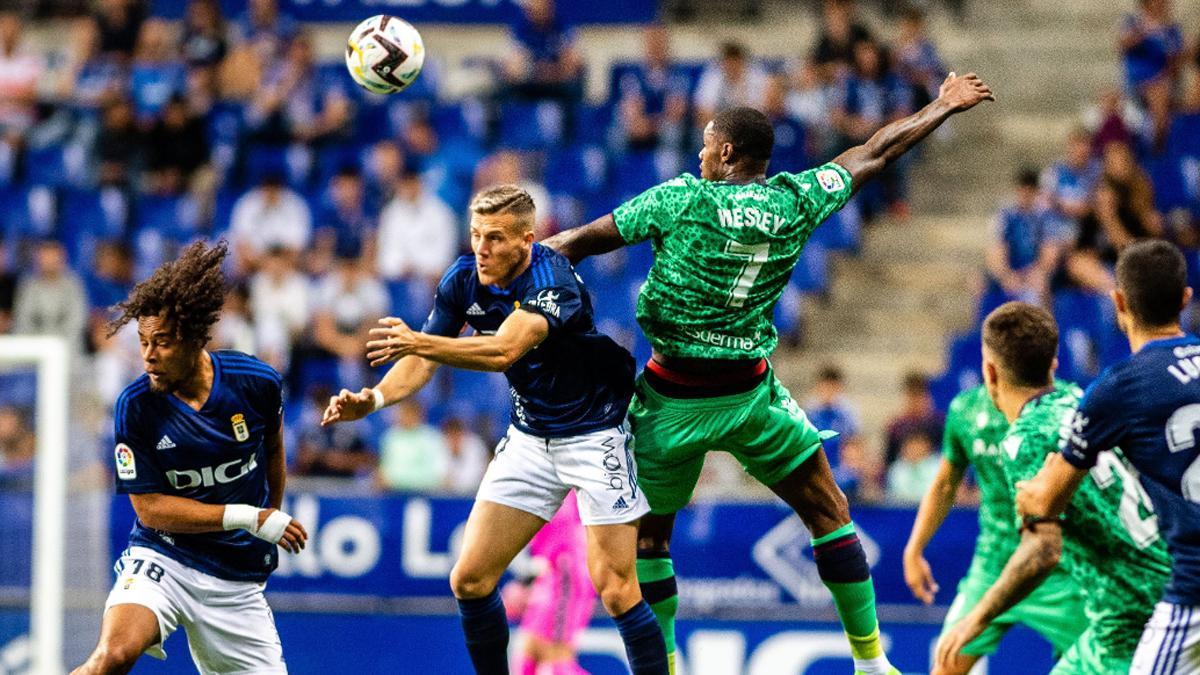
<point>231,629</point>
<point>610,504</point>
<point>782,449</point>
<point>612,563</point>
<point>1171,641</point>
<point>656,574</point>
<point>142,610</point>
<point>125,633</point>
<point>519,494</point>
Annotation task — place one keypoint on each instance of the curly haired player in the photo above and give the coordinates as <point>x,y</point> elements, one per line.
<point>200,454</point>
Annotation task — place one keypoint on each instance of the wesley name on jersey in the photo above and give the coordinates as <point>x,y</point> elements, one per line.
<point>215,455</point>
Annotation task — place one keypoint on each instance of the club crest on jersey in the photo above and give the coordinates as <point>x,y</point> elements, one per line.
<point>830,180</point>
<point>126,466</point>
<point>240,431</point>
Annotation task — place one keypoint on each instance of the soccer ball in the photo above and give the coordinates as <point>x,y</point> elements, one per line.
<point>384,54</point>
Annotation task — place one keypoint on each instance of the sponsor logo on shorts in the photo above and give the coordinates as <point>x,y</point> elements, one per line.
<point>614,470</point>
<point>620,504</point>
<point>830,180</point>
<point>126,466</point>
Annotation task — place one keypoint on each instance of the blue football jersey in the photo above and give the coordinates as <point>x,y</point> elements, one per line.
<point>577,380</point>
<point>1149,406</point>
<point>216,455</point>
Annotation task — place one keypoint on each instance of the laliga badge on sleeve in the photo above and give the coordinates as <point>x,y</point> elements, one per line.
<point>831,180</point>
<point>240,431</point>
<point>126,467</point>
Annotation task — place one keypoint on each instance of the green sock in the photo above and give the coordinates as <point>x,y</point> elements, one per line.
<point>657,579</point>
<point>843,567</point>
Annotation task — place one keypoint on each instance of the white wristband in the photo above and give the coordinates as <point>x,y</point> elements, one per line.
<point>378,396</point>
<point>272,529</point>
<point>241,517</point>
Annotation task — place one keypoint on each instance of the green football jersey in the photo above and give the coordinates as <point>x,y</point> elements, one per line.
<point>723,253</point>
<point>974,429</point>
<point>1111,545</point>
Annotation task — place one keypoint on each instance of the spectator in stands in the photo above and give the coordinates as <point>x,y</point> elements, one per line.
<point>841,30</point>
<point>235,326</point>
<point>346,304</point>
<point>871,97</point>
<point>338,450</point>
<point>20,71</point>
<point>268,216</point>
<point>732,80</point>
<point>381,174</point>
<point>343,216</point>
<point>51,301</point>
<point>110,277</point>
<point>120,25</point>
<point>910,476</point>
<point>298,103</point>
<point>1070,182</point>
<point>89,77</point>
<point>17,443</point>
<point>653,101</point>
<point>467,457</point>
<point>264,30</point>
<point>829,409</point>
<point>157,74</point>
<point>811,100</point>
<point>1112,120</point>
<point>8,290</point>
<point>790,151</point>
<point>118,144</point>
<point>418,233</point>
<point>204,34</point>
<point>917,415</point>
<point>917,58</point>
<point>1152,49</point>
<point>280,303</point>
<point>543,61</point>
<point>1113,223</point>
<point>1029,241</point>
<point>176,147</point>
<point>413,454</point>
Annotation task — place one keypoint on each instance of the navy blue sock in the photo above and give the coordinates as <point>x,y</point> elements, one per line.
<point>643,640</point>
<point>486,630</point>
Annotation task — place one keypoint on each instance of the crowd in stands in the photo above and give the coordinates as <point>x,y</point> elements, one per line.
<point>140,133</point>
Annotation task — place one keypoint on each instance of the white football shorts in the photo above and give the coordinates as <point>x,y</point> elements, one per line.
<point>534,475</point>
<point>1170,643</point>
<point>230,628</point>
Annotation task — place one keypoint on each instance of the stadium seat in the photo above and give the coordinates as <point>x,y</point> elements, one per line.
<point>811,274</point>
<point>579,170</point>
<point>45,166</point>
<point>964,362</point>
<point>411,300</point>
<point>531,125</point>
<point>30,212</point>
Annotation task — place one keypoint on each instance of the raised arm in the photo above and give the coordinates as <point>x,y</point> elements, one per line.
<point>596,238</point>
<point>957,94</point>
<point>404,379</point>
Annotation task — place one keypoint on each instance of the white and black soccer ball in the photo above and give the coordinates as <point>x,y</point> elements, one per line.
<point>384,54</point>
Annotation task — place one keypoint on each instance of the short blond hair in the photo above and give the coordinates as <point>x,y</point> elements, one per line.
<point>503,199</point>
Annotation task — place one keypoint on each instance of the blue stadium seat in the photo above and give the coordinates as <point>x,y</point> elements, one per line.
<point>411,300</point>
<point>30,212</point>
<point>89,216</point>
<point>45,166</point>
<point>592,123</point>
<point>531,125</point>
<point>1088,338</point>
<point>577,170</point>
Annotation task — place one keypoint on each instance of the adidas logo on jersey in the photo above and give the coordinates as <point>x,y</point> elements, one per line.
<point>620,505</point>
<point>475,310</point>
<point>165,443</point>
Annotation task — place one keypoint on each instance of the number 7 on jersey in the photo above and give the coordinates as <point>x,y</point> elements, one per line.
<point>755,256</point>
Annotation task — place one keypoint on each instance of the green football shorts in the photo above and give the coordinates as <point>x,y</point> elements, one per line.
<point>1054,609</point>
<point>763,428</point>
<point>1089,657</point>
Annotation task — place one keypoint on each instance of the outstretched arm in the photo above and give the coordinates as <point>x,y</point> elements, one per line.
<point>1034,559</point>
<point>957,94</point>
<point>934,506</point>
<point>596,238</point>
<point>520,332</point>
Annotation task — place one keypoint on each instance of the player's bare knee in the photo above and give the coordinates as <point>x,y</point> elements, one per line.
<point>113,659</point>
<point>618,589</point>
<point>467,583</point>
